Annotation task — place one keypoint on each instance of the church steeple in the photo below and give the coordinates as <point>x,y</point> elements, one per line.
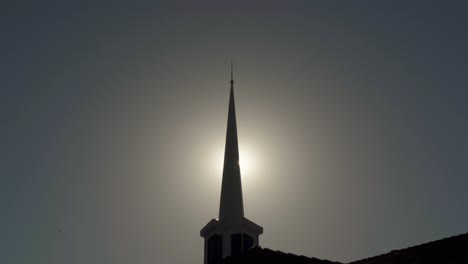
<point>232,233</point>
<point>231,205</point>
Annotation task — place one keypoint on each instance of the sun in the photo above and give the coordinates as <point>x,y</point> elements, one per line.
<point>247,161</point>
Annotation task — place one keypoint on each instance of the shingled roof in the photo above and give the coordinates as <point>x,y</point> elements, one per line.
<point>259,255</point>
<point>452,250</point>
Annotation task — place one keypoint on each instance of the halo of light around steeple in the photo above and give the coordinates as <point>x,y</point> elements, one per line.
<point>248,161</point>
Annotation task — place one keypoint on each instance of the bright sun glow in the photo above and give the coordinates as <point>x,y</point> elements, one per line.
<point>247,162</point>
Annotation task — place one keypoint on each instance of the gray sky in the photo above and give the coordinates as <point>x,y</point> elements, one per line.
<point>351,120</point>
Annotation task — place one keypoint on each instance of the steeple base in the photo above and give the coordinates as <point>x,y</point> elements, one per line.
<point>225,238</point>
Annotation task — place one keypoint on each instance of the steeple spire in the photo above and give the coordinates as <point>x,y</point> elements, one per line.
<point>231,206</point>
<point>231,233</point>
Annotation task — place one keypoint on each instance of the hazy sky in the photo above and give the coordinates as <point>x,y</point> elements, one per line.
<point>352,118</point>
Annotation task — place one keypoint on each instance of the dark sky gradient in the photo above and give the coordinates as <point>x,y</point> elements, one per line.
<point>354,111</point>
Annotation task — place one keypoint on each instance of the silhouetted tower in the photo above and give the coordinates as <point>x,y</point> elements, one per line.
<point>232,232</point>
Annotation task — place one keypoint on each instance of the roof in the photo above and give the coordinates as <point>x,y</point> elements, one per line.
<point>453,250</point>
<point>264,255</point>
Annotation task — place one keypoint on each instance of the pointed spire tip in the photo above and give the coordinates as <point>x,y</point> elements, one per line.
<point>232,75</point>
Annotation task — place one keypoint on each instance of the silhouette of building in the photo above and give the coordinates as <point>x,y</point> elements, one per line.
<point>267,256</point>
<point>233,239</point>
<point>232,233</point>
<point>451,250</point>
